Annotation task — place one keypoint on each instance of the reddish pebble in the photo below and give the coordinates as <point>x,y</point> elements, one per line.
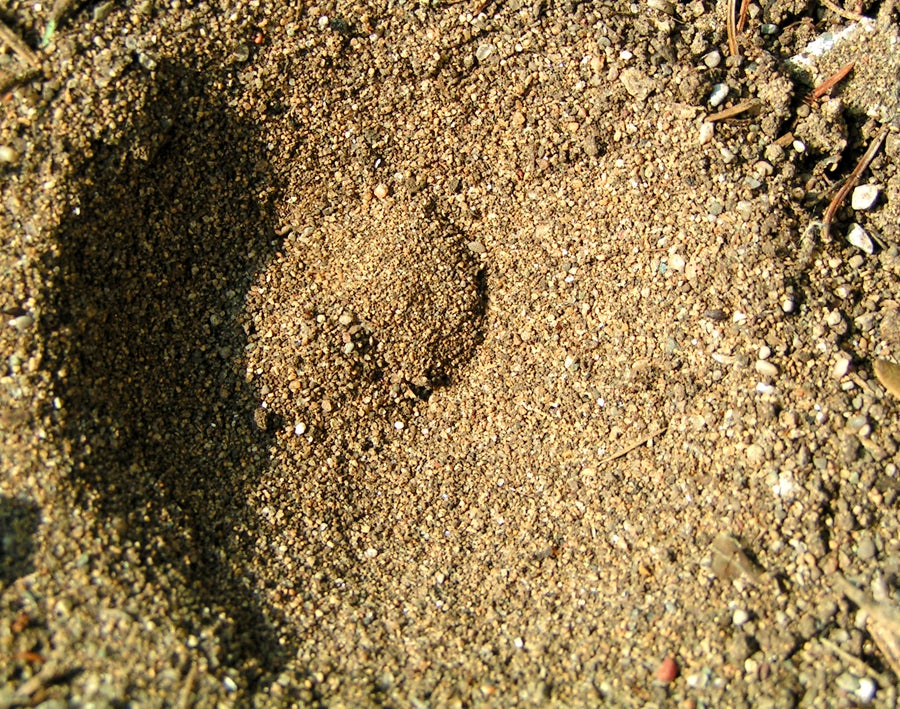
<point>668,670</point>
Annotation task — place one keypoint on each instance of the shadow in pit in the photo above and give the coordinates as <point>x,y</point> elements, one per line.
<point>19,520</point>
<point>161,243</point>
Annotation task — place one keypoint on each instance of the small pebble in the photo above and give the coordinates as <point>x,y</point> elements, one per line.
<point>867,689</point>
<point>718,95</point>
<point>8,155</point>
<point>381,190</point>
<point>744,209</point>
<point>765,352</point>
<point>864,197</point>
<point>847,682</point>
<point>774,152</point>
<point>866,549</point>
<point>22,322</point>
<point>859,238</point>
<point>668,670</point>
<point>713,59</point>
<point>834,318</point>
<point>788,305</point>
<point>740,617</point>
<point>841,367</point>
<point>484,51</point>
<point>261,419</point>
<point>755,454</point>
<point>707,130</point>
<point>766,368</point>
<point>764,168</point>
<point>241,53</point>
<point>300,429</point>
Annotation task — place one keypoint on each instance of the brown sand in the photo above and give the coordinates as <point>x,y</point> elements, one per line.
<point>422,355</point>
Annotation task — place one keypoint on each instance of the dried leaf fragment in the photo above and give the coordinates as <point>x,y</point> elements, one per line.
<point>888,373</point>
<point>730,561</point>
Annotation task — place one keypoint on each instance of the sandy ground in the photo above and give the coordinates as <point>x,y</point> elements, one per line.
<point>441,354</point>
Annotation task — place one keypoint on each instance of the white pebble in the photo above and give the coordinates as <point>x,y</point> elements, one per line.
<point>23,322</point>
<point>398,425</point>
<point>841,367</point>
<point>785,486</point>
<point>867,689</point>
<point>766,369</point>
<point>833,318</point>
<point>799,146</point>
<point>371,553</point>
<point>765,352</point>
<point>718,95</point>
<point>713,59</point>
<point>8,154</point>
<point>864,197</point>
<point>858,237</point>
<point>788,305</point>
<point>707,130</point>
<point>484,51</point>
<point>740,617</point>
<point>676,262</point>
<point>381,190</point>
<point>300,429</point>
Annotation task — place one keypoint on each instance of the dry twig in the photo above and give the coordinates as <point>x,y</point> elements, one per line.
<point>742,19</point>
<point>10,82</point>
<point>857,664</point>
<point>846,14</point>
<point>831,81</point>
<point>641,441</point>
<point>731,26</point>
<point>750,106</point>
<point>882,622</point>
<point>852,180</point>
<point>22,50</point>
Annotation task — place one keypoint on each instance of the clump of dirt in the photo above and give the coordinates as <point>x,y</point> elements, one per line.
<point>410,278</point>
<point>384,302</point>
